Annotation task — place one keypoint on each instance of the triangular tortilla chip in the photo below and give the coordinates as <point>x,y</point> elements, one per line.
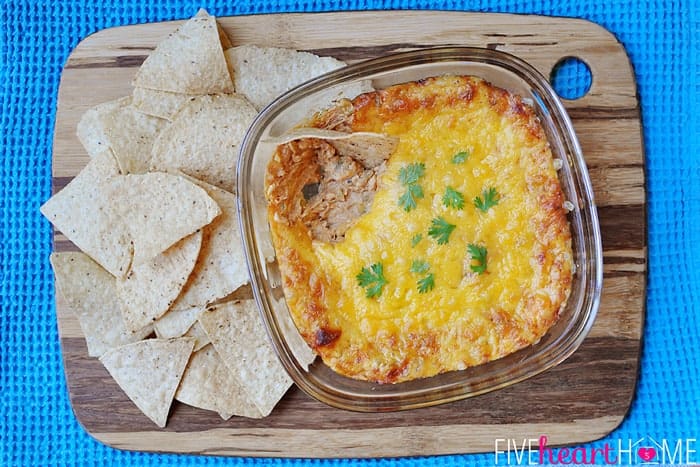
<point>264,73</point>
<point>119,126</point>
<point>158,210</point>
<point>304,355</point>
<point>131,135</point>
<point>91,132</point>
<point>175,323</point>
<point>196,332</point>
<point>204,138</point>
<point>84,215</point>
<point>162,104</point>
<point>238,335</point>
<point>221,267</point>
<point>149,372</point>
<point>150,288</point>
<point>209,385</point>
<point>189,61</point>
<point>90,292</point>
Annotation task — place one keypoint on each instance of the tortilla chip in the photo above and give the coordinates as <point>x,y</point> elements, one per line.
<point>201,338</point>
<point>91,132</point>
<point>119,126</point>
<point>90,292</point>
<point>264,73</point>
<point>149,372</point>
<point>162,104</point>
<point>221,267</point>
<point>158,210</point>
<point>84,215</point>
<point>175,323</point>
<point>149,289</point>
<point>208,384</point>
<point>178,323</point>
<point>204,138</point>
<point>189,61</point>
<point>130,135</point>
<point>238,335</point>
<point>370,149</point>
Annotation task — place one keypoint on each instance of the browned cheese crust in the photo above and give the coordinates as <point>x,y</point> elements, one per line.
<point>324,236</point>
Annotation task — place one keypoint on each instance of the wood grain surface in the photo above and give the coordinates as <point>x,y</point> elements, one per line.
<point>580,400</point>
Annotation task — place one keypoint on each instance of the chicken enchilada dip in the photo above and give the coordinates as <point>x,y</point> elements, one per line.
<point>448,251</point>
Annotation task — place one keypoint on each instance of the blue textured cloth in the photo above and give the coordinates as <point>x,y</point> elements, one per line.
<point>38,426</point>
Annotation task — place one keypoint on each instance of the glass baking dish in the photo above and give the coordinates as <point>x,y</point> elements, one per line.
<point>298,105</point>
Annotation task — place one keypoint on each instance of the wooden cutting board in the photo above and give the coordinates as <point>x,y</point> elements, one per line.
<point>580,400</point>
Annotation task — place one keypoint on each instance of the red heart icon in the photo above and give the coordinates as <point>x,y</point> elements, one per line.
<point>646,454</point>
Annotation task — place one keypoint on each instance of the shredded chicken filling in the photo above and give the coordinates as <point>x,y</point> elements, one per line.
<point>326,190</point>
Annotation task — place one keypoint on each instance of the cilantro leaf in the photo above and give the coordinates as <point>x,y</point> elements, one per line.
<point>460,157</point>
<point>408,200</point>
<point>453,198</point>
<point>426,284</point>
<point>416,239</point>
<point>479,256</point>
<point>372,279</point>
<point>419,266</point>
<point>440,230</point>
<point>409,174</point>
<point>491,198</point>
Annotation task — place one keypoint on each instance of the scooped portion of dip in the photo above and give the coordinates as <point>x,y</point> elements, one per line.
<point>452,252</point>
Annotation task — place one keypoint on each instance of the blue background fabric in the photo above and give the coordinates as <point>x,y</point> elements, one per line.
<point>38,426</point>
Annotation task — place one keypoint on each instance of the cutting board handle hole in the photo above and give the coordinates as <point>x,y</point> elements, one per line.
<point>571,78</point>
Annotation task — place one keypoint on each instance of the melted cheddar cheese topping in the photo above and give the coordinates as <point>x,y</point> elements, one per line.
<point>467,318</point>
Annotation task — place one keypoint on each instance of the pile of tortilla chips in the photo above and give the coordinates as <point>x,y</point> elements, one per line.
<point>154,215</point>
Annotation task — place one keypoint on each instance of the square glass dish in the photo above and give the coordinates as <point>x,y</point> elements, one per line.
<point>298,105</point>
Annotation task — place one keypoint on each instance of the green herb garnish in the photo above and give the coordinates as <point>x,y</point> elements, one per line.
<point>419,266</point>
<point>426,284</point>
<point>478,256</point>
<point>416,239</point>
<point>453,198</point>
<point>409,176</point>
<point>372,279</point>
<point>460,157</point>
<point>491,198</point>
<point>440,230</point>
<point>408,200</point>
